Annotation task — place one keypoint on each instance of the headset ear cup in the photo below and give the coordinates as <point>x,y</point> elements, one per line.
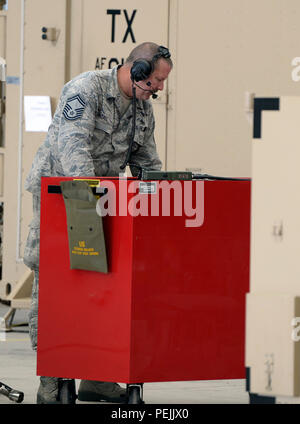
<point>141,69</point>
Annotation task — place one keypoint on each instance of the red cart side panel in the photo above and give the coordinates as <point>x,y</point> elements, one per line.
<point>84,316</point>
<point>189,287</point>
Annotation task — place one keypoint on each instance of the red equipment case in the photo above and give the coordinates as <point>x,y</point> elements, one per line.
<point>171,308</point>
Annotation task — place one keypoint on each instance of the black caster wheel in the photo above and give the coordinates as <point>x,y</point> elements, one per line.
<point>259,399</point>
<point>135,394</point>
<point>67,391</point>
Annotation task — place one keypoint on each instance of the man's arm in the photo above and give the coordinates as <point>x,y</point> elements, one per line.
<point>146,155</point>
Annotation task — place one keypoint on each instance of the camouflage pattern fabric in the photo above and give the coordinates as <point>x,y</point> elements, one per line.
<point>88,136</point>
<point>32,247</point>
<point>31,259</point>
<point>33,313</point>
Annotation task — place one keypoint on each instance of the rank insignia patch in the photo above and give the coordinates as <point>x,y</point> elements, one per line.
<point>74,108</point>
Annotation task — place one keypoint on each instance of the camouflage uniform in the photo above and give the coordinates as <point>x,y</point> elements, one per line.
<point>88,136</point>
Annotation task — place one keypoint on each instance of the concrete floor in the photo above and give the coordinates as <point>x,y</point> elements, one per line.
<point>18,370</point>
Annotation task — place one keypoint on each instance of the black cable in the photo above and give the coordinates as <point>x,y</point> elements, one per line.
<point>213,177</point>
<point>132,130</point>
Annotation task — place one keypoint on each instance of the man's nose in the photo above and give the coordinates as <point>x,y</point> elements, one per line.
<point>160,86</point>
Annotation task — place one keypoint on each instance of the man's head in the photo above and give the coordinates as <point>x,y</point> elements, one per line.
<point>147,67</point>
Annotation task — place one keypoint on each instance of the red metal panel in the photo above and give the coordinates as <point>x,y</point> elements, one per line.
<point>189,290</point>
<point>172,306</point>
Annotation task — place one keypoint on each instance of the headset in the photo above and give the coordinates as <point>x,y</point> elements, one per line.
<point>142,68</point>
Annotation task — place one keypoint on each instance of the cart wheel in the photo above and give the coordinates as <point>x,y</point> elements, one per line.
<point>134,395</point>
<point>67,392</point>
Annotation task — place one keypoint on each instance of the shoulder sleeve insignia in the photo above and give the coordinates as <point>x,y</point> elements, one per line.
<point>74,108</point>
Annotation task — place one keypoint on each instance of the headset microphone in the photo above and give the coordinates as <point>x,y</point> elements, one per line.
<point>154,96</point>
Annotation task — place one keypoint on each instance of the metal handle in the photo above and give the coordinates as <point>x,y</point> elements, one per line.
<point>12,394</point>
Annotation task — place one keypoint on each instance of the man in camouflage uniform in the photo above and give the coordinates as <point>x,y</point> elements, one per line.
<point>89,136</point>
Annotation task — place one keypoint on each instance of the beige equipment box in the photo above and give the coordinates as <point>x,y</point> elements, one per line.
<point>273,304</point>
<point>221,50</point>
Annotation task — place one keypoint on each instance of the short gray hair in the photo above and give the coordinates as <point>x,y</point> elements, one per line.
<point>146,51</point>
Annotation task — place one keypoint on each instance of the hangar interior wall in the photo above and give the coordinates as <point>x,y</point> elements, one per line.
<point>221,50</point>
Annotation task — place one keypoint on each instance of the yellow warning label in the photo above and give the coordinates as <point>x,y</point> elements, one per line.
<point>91,183</point>
<point>81,249</point>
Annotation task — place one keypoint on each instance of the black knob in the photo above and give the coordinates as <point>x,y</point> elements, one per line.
<point>44,36</point>
<point>44,29</point>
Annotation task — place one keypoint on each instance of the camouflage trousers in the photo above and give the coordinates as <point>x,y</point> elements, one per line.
<point>31,259</point>
<point>33,313</point>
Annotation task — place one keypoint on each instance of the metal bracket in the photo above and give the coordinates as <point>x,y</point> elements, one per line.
<point>50,34</point>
